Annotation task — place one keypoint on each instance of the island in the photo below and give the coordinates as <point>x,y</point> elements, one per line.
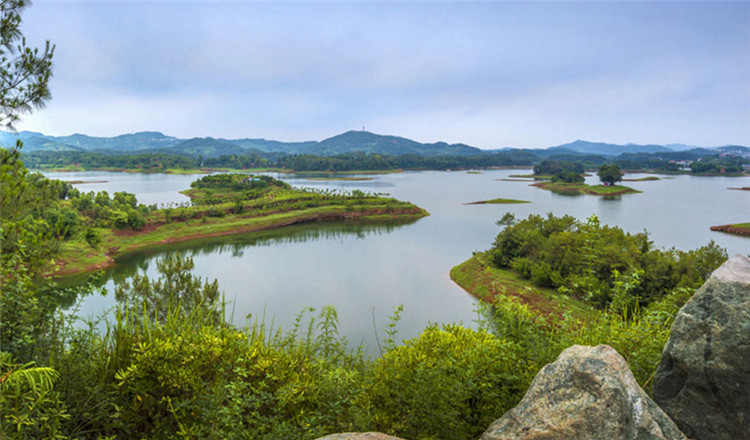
<point>497,202</point>
<point>582,188</point>
<point>736,229</point>
<point>221,204</point>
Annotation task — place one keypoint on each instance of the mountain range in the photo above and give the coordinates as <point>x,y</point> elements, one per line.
<point>157,142</point>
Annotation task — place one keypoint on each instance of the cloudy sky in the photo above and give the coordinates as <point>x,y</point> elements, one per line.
<point>489,74</point>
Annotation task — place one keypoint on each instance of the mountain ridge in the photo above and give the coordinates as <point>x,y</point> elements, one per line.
<point>347,142</point>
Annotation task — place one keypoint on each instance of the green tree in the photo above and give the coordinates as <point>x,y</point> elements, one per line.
<point>609,174</point>
<point>24,72</point>
<point>568,176</point>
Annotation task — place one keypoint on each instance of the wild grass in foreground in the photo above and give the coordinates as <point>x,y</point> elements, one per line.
<point>167,366</point>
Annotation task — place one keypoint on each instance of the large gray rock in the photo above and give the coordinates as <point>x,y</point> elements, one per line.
<point>359,436</point>
<point>587,393</point>
<point>703,380</point>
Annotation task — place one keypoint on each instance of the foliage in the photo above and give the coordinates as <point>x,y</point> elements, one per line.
<point>717,166</point>
<point>99,210</point>
<point>27,215</point>
<point>568,176</point>
<point>588,260</point>
<point>24,72</point>
<point>609,174</point>
<point>237,182</point>
<point>450,383</point>
<point>638,335</point>
<point>551,167</point>
<point>29,405</point>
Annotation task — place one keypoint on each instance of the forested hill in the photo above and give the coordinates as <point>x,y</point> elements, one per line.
<point>156,142</point>
<point>349,142</point>
<point>605,149</point>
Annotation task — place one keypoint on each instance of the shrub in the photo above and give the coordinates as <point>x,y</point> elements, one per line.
<point>450,383</point>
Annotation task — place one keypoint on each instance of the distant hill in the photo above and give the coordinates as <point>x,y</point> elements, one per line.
<point>605,149</point>
<point>392,145</point>
<point>33,141</point>
<point>269,146</point>
<point>207,147</point>
<point>143,140</point>
<point>154,141</point>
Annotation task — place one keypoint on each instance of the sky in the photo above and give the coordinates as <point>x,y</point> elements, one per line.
<point>487,74</point>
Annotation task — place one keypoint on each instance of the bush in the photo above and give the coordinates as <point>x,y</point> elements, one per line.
<point>449,383</point>
<point>93,237</point>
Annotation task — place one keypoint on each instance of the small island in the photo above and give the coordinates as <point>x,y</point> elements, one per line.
<point>497,202</point>
<point>354,179</point>
<point>582,188</point>
<point>642,179</point>
<point>736,229</point>
<point>221,204</point>
<point>568,178</point>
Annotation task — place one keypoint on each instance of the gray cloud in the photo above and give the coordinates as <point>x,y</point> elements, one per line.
<point>488,74</point>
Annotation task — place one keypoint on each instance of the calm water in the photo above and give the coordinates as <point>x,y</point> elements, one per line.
<point>367,271</point>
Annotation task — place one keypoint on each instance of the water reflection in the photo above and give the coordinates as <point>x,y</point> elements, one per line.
<point>230,245</point>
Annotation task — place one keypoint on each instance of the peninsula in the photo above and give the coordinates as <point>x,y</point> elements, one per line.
<point>221,204</point>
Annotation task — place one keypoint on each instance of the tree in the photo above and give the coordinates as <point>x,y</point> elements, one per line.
<point>24,72</point>
<point>568,176</point>
<point>609,174</point>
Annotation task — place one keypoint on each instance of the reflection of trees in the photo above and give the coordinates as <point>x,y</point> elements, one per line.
<point>130,265</point>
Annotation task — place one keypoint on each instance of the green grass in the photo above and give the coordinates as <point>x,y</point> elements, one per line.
<point>497,202</point>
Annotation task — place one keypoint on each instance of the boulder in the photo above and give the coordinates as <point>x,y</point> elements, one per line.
<point>703,380</point>
<point>587,393</point>
<point>359,436</point>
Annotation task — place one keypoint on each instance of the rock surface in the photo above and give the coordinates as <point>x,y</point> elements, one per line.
<point>703,380</point>
<point>359,436</point>
<point>587,393</point>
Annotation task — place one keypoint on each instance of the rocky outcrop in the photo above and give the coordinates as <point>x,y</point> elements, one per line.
<point>587,393</point>
<point>359,436</point>
<point>703,380</point>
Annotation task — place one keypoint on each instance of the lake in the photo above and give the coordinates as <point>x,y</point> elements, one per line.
<point>365,272</point>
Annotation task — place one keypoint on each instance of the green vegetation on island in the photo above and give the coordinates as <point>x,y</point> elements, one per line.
<point>582,188</point>
<point>742,229</point>
<point>590,262</point>
<point>557,280</point>
<point>568,179</point>
<point>642,179</point>
<point>497,202</point>
<point>354,179</point>
<point>97,228</point>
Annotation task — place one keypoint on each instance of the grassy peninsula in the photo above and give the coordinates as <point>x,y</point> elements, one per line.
<point>736,229</point>
<point>499,201</point>
<point>221,204</point>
